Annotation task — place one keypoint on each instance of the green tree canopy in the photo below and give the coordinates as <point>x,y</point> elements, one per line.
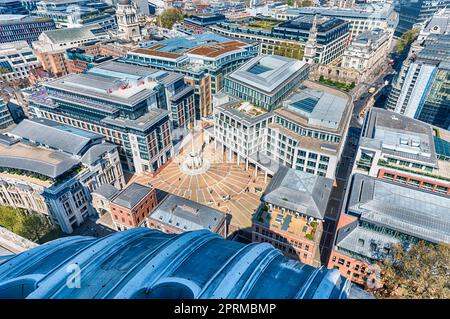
<point>289,50</point>
<point>405,41</point>
<point>422,272</point>
<point>168,18</point>
<point>32,226</point>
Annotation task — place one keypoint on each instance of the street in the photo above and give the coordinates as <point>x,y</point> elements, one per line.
<point>344,169</point>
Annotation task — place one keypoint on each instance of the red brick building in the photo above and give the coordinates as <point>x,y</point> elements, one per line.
<point>291,215</point>
<point>131,205</point>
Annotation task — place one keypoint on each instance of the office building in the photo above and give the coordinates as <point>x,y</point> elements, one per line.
<point>307,133</point>
<point>266,80</point>
<point>368,53</point>
<point>412,13</point>
<point>292,212</point>
<point>436,26</point>
<point>6,119</point>
<point>77,60</point>
<point>132,106</point>
<point>204,59</point>
<point>362,17</point>
<point>422,93</point>
<point>52,45</point>
<point>404,150</point>
<point>12,7</point>
<point>50,169</point>
<point>16,61</point>
<point>288,38</point>
<point>23,28</point>
<point>380,214</point>
<point>197,24</point>
<point>141,263</point>
<point>77,13</point>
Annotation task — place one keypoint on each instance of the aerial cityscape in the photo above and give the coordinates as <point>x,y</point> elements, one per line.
<point>237,149</point>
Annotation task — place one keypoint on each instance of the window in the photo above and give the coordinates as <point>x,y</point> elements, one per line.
<point>347,264</point>
<point>341,261</point>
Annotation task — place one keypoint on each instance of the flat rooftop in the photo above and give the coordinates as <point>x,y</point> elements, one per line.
<point>267,73</point>
<point>246,112</point>
<point>400,136</point>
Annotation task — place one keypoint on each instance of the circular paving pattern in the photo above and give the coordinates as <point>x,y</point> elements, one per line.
<point>225,185</point>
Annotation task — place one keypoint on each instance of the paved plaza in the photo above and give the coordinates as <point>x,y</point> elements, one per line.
<point>225,185</point>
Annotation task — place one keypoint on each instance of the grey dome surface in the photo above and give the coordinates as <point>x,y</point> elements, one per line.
<point>144,263</point>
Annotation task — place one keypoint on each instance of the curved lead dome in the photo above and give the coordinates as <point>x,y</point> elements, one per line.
<point>144,263</point>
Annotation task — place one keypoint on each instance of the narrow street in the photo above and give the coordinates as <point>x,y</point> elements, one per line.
<point>344,169</point>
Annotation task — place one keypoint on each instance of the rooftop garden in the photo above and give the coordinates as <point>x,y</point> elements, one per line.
<point>60,179</point>
<point>266,25</point>
<point>249,109</point>
<point>338,85</point>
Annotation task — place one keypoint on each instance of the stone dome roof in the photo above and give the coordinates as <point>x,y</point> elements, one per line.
<point>145,263</point>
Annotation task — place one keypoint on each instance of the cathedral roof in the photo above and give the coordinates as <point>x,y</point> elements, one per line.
<point>144,263</point>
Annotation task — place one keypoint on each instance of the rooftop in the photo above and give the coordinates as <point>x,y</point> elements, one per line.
<point>406,209</point>
<point>320,107</point>
<point>373,36</point>
<point>299,191</point>
<point>130,196</point>
<point>373,10</point>
<point>7,19</point>
<point>30,158</point>
<point>58,136</point>
<point>112,81</point>
<point>180,45</point>
<point>399,135</point>
<point>71,34</point>
<point>129,264</point>
<point>267,73</point>
<point>186,215</point>
<point>107,191</point>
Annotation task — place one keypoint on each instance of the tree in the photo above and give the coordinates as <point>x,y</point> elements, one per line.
<point>421,272</point>
<point>168,18</point>
<point>32,226</point>
<point>289,50</point>
<point>11,218</point>
<point>405,41</point>
<point>35,227</point>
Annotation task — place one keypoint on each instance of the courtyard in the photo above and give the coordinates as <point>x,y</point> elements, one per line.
<point>221,184</point>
